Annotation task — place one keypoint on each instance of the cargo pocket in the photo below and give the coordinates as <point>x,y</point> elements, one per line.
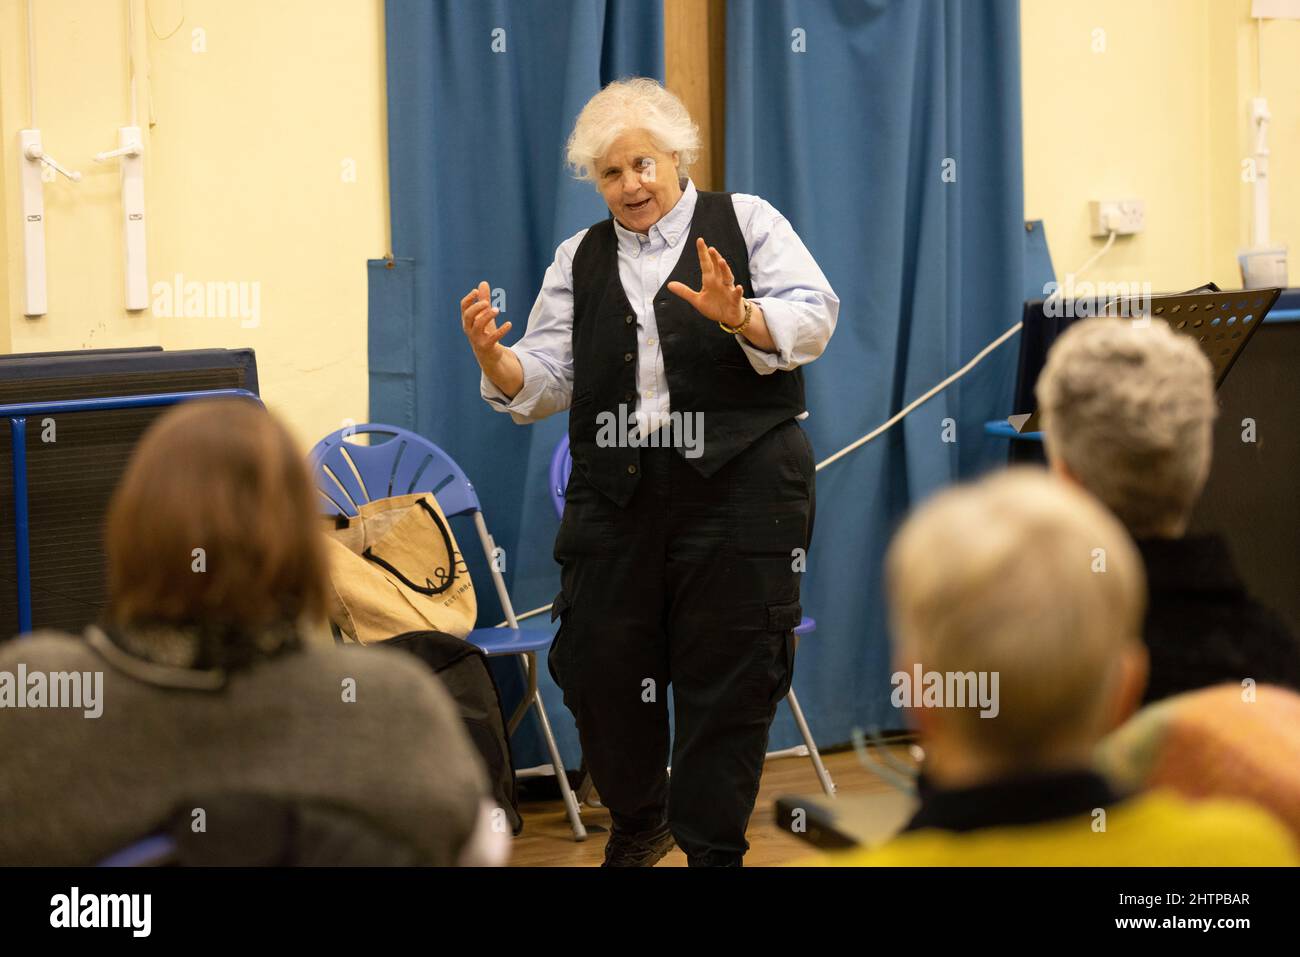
<point>784,616</point>
<point>769,545</point>
<point>782,619</point>
<point>771,657</point>
<point>558,659</point>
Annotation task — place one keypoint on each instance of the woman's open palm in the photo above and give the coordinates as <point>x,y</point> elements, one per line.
<point>719,298</point>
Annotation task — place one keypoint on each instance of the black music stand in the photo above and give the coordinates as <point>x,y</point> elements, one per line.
<point>1220,322</point>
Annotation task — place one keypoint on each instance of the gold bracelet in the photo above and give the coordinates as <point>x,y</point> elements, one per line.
<point>733,330</point>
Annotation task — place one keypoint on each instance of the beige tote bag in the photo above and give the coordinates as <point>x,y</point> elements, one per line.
<point>396,568</point>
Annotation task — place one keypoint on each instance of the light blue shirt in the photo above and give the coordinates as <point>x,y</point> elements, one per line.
<point>798,305</point>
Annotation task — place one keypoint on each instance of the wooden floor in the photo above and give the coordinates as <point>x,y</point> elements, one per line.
<point>547,840</point>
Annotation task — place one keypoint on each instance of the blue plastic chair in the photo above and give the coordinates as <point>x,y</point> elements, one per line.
<point>157,850</point>
<point>561,469</point>
<point>349,474</point>
<point>558,475</point>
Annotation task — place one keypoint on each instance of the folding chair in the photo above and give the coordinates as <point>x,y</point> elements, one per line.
<point>560,470</point>
<point>349,474</point>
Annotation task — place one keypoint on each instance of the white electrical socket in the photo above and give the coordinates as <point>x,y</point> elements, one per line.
<point>1124,216</point>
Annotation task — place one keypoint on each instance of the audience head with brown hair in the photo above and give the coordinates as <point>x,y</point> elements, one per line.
<point>212,533</point>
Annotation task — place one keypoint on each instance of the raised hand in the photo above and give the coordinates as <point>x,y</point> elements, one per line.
<point>719,298</point>
<point>478,320</point>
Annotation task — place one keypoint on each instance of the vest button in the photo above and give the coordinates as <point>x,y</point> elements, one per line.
<point>629,319</point>
<point>628,397</point>
<point>631,470</point>
<point>627,357</point>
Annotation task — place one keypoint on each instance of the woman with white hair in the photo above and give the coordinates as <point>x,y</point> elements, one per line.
<point>674,333</point>
<point>1128,412</point>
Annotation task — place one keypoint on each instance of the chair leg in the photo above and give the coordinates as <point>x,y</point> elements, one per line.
<point>521,709</point>
<point>534,696</point>
<point>822,774</point>
<point>570,800</point>
<point>587,787</point>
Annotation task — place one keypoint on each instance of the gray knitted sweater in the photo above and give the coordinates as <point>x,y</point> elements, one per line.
<point>73,789</point>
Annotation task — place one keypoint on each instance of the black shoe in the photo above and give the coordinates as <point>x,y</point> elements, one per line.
<point>638,850</point>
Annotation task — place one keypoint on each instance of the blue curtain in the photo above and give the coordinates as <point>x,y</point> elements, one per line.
<point>482,95</point>
<point>888,133</point>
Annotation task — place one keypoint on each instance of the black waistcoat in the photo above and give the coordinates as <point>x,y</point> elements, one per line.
<point>707,370</point>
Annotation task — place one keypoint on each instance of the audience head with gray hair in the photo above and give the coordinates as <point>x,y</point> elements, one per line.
<point>1127,409</point>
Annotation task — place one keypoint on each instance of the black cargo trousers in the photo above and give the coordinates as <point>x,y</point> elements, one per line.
<point>694,584</point>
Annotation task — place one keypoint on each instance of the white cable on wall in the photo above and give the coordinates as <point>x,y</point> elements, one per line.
<point>31,71</point>
<point>1259,55</point>
<point>130,56</point>
<point>1092,260</point>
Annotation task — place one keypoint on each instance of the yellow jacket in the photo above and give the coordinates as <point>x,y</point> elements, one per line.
<point>1155,829</point>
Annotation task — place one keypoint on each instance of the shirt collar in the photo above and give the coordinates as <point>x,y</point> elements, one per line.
<point>670,228</point>
<point>1024,799</point>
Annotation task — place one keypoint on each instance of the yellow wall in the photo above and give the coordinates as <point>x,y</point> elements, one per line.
<point>246,146</point>
<point>1161,115</point>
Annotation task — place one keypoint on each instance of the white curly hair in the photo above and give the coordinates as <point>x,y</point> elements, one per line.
<point>636,103</point>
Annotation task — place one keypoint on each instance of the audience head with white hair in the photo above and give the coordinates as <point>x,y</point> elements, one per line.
<point>1027,578</point>
<point>1127,411</point>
